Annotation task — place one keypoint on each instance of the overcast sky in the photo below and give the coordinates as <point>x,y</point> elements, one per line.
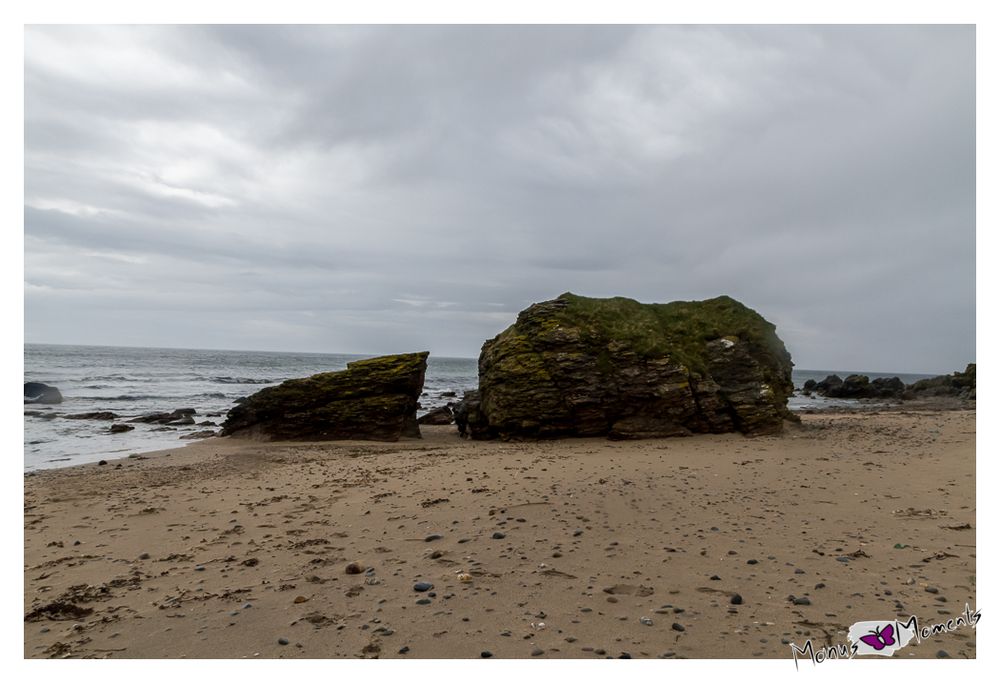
<point>386,189</point>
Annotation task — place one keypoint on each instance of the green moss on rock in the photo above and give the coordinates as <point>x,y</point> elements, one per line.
<point>375,398</point>
<point>583,366</point>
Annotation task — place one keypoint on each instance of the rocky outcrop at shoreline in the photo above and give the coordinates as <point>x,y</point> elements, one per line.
<point>577,366</point>
<point>36,392</point>
<point>373,399</point>
<point>856,386</point>
<point>960,385</point>
<point>438,416</point>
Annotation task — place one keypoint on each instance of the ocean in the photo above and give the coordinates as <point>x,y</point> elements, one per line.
<point>134,381</point>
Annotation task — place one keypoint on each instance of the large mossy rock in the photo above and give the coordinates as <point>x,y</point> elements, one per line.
<point>576,366</point>
<point>373,399</point>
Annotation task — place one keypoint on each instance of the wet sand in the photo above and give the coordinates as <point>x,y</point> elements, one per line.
<point>572,548</point>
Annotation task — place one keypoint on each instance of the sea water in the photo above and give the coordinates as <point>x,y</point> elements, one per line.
<point>134,381</point>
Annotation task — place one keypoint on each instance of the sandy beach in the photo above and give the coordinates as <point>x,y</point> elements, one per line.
<point>570,548</point>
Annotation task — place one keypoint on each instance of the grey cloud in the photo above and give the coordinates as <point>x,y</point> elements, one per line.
<point>369,189</point>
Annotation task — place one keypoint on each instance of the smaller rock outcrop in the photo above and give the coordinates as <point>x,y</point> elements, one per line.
<point>36,392</point>
<point>373,399</point>
<point>469,417</point>
<point>856,386</point>
<point>958,384</point>
<point>181,416</point>
<point>438,416</point>
<point>203,434</point>
<point>831,383</point>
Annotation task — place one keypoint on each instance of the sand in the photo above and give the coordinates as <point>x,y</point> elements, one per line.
<point>240,549</point>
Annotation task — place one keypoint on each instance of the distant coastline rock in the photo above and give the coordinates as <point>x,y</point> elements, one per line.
<point>181,416</point>
<point>958,385</point>
<point>100,415</point>
<point>36,392</point>
<point>374,399</point>
<point>438,416</point>
<point>577,366</point>
<point>119,428</point>
<point>831,383</point>
<point>858,386</point>
<point>961,385</point>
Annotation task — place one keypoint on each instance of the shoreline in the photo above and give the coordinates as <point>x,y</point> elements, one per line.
<point>859,406</point>
<point>174,544</point>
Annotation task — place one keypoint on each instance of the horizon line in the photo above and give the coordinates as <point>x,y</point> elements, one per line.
<point>432,354</point>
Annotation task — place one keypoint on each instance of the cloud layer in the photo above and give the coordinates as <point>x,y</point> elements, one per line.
<point>380,189</point>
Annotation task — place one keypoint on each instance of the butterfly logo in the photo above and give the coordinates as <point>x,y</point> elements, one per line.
<point>878,639</point>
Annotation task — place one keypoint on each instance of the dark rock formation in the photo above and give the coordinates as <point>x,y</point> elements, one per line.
<point>831,383</point>
<point>859,386</point>
<point>373,399</point>
<point>958,384</point>
<point>36,392</point>
<point>469,417</point>
<point>887,387</point>
<point>203,434</point>
<point>853,386</point>
<point>576,366</point>
<point>119,428</point>
<point>181,416</point>
<point>38,413</point>
<point>438,416</point>
<point>102,415</point>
